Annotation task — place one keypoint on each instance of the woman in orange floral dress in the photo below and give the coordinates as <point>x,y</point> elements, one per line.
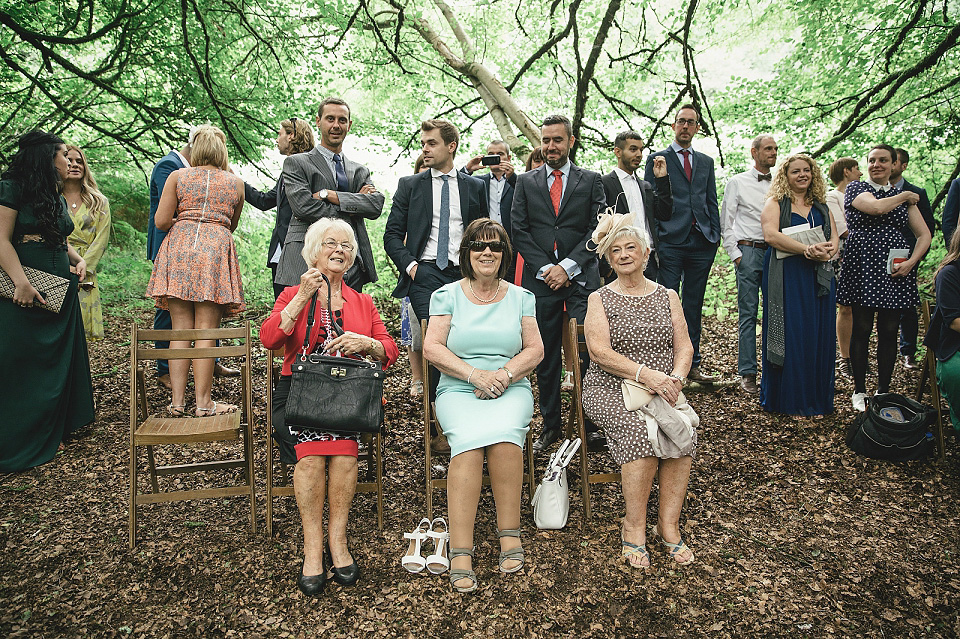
<point>196,275</point>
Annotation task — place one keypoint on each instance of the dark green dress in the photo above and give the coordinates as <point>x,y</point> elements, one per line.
<point>45,386</point>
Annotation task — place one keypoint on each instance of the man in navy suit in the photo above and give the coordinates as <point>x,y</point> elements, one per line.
<point>554,213</point>
<point>171,162</point>
<point>910,321</point>
<point>689,239</point>
<point>629,194</point>
<point>499,184</point>
<point>417,221</point>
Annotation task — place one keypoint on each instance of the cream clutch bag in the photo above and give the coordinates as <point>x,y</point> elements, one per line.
<point>635,394</point>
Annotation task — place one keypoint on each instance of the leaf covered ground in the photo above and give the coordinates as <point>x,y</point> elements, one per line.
<point>795,536</point>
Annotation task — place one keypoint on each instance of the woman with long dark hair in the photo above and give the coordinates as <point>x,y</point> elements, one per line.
<point>45,385</point>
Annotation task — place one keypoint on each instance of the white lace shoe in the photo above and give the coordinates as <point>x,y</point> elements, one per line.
<point>859,402</point>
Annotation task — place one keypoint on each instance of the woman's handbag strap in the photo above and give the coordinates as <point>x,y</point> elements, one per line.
<point>310,316</point>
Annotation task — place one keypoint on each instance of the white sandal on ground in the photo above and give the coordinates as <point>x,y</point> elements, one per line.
<point>438,563</point>
<point>413,561</point>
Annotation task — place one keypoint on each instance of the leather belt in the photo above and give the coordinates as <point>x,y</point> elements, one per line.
<point>754,244</point>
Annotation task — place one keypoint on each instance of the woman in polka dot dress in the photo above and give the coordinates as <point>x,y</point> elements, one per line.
<point>876,212</point>
<point>635,330</point>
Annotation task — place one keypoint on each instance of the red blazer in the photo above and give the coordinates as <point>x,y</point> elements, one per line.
<point>359,315</point>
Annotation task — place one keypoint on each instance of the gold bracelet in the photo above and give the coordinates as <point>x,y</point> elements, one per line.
<point>283,311</point>
<point>507,371</point>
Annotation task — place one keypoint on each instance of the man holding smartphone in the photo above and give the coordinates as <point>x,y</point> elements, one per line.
<point>499,182</point>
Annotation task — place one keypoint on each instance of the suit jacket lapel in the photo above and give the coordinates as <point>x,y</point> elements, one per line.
<point>351,168</point>
<point>675,159</point>
<point>572,181</point>
<point>321,163</point>
<point>541,180</point>
<point>463,187</point>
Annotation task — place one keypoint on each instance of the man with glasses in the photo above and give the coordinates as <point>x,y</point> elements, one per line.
<point>689,239</point>
<point>324,183</point>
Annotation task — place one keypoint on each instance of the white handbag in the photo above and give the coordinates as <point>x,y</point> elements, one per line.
<point>551,502</point>
<point>635,394</point>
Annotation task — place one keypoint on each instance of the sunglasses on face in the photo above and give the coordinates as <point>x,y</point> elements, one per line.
<point>481,245</point>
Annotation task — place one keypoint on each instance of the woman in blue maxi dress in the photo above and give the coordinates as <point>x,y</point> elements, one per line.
<point>803,383</point>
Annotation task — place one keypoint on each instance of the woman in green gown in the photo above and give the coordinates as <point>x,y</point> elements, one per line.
<point>45,387</point>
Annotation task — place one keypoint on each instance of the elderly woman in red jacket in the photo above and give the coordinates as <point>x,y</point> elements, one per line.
<point>326,463</point>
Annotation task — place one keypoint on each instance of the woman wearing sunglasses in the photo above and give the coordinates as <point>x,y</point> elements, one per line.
<point>484,339</point>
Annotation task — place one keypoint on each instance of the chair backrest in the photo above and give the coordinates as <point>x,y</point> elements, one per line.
<point>141,351</point>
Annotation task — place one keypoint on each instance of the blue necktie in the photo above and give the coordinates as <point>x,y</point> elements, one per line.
<point>342,183</point>
<point>443,239</point>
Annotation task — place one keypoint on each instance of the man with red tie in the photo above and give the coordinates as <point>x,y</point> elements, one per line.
<point>689,239</point>
<point>554,213</point>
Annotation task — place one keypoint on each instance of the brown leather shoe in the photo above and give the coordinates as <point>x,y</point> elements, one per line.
<point>164,380</point>
<point>749,384</point>
<point>222,371</point>
<point>696,375</point>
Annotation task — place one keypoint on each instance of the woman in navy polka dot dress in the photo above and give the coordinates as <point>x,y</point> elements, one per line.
<point>876,212</point>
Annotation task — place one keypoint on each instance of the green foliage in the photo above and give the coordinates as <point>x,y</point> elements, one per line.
<point>125,271</point>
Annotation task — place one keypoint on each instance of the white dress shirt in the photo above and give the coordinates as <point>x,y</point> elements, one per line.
<point>456,220</point>
<point>676,148</point>
<point>631,192</point>
<point>494,195</point>
<point>743,200</point>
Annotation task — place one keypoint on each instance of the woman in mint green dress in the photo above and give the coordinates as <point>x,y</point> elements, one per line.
<point>45,386</point>
<point>483,337</point>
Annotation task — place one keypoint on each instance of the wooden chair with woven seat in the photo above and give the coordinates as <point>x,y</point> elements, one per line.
<point>149,430</point>
<point>928,373</point>
<point>576,425</point>
<point>371,452</point>
<point>430,420</point>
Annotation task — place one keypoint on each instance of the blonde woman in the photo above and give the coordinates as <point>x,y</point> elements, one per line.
<point>799,311</point>
<point>196,274</point>
<point>90,213</point>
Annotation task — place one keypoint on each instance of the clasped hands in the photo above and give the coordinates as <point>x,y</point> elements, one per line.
<point>350,343</point>
<point>489,384</point>
<point>819,252</point>
<point>556,278</point>
<point>663,385</point>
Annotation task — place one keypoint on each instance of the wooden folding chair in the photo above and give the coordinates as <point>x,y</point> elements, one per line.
<point>928,372</point>
<point>371,452</point>
<point>576,426</point>
<point>430,418</point>
<point>149,430</point>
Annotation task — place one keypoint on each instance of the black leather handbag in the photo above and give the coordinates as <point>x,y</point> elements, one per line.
<point>334,394</point>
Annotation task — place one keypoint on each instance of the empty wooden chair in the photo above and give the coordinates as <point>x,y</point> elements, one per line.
<point>149,430</point>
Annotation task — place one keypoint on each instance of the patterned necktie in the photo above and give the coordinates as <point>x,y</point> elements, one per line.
<point>687,167</point>
<point>342,183</point>
<point>556,191</point>
<point>443,238</point>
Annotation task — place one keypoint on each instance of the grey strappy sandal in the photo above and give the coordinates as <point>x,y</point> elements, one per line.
<point>456,574</point>
<point>514,553</point>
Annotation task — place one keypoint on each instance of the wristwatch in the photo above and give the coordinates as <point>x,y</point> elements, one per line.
<point>323,194</point>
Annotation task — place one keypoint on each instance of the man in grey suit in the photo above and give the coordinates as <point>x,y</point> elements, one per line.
<point>689,239</point>
<point>423,234</point>
<point>324,183</point>
<point>629,194</point>
<point>554,213</point>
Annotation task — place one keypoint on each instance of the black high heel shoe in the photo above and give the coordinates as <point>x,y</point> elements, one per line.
<point>346,576</point>
<point>311,585</point>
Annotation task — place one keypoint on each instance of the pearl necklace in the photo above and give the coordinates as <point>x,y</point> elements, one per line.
<point>480,299</point>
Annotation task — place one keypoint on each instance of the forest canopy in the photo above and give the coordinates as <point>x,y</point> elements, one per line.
<point>125,78</point>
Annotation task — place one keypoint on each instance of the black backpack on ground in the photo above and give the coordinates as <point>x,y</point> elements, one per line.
<point>894,428</point>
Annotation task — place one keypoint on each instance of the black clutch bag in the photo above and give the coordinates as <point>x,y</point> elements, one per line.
<point>334,394</point>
